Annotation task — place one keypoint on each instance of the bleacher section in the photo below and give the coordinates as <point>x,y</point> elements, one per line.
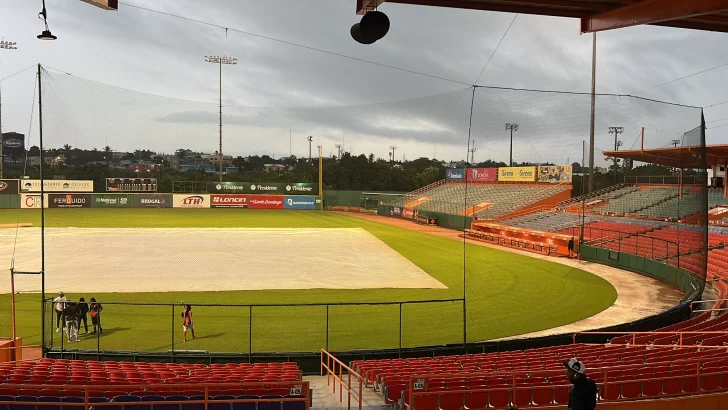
<point>637,200</point>
<point>715,197</point>
<point>546,221</point>
<point>450,198</point>
<point>689,204</point>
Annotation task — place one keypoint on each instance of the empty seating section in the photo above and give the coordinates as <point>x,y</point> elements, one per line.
<point>134,384</point>
<point>675,208</point>
<point>637,200</point>
<point>701,323</point>
<point>545,221</point>
<point>612,192</point>
<point>716,197</point>
<point>536,377</point>
<point>78,372</point>
<point>608,230</point>
<point>450,198</point>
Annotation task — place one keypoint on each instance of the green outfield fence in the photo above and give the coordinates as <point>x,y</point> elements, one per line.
<point>247,330</point>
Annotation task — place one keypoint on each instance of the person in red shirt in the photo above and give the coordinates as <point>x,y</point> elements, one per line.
<point>187,322</point>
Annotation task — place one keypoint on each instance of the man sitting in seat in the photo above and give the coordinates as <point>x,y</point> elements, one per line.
<point>583,396</point>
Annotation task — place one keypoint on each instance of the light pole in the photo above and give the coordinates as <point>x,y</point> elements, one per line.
<point>338,146</point>
<point>616,131</point>
<point>472,154</point>
<point>512,127</point>
<point>220,61</point>
<point>393,148</point>
<point>7,45</point>
<point>310,141</point>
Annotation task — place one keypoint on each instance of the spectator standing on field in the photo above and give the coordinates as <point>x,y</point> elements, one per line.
<point>95,310</point>
<point>583,396</point>
<point>82,308</point>
<point>571,246</point>
<point>187,322</point>
<point>59,303</point>
<point>70,315</point>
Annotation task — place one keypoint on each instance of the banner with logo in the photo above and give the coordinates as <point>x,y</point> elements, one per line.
<point>265,202</point>
<point>395,211</point>
<point>455,174</point>
<point>554,174</point>
<point>56,185</point>
<point>9,186</point>
<point>191,201</point>
<point>275,188</point>
<point>517,174</point>
<point>13,144</point>
<point>152,200</point>
<point>69,201</point>
<point>482,174</point>
<point>111,201</point>
<point>299,202</point>
<point>32,201</point>
<point>229,201</point>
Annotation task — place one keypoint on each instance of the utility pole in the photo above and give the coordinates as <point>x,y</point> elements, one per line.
<point>675,143</point>
<point>310,141</point>
<point>393,148</point>
<point>6,45</point>
<point>616,131</point>
<point>593,110</point>
<point>512,127</point>
<point>220,60</point>
<point>338,146</point>
<point>472,154</point>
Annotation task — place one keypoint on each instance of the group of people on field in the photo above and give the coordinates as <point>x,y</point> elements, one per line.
<point>72,313</point>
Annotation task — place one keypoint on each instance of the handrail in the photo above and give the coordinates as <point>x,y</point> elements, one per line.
<point>304,386</point>
<point>331,366</point>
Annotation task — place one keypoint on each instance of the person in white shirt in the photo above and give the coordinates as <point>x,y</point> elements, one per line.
<point>60,305</point>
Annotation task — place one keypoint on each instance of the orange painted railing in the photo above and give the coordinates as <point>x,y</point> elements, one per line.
<point>334,367</point>
<point>680,344</point>
<point>300,389</point>
<point>19,353</point>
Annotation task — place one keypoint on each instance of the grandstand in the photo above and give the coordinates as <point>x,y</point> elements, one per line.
<point>484,201</point>
<point>637,200</point>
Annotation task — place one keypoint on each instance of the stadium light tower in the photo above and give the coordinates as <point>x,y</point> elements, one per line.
<point>512,127</point>
<point>7,45</point>
<point>616,131</point>
<point>310,141</point>
<point>225,59</point>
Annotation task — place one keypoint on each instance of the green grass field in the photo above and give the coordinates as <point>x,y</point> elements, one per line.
<point>507,294</point>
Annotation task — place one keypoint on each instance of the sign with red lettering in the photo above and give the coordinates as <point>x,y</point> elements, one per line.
<point>482,174</point>
<point>265,201</point>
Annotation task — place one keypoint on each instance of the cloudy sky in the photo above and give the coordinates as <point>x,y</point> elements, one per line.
<point>122,62</point>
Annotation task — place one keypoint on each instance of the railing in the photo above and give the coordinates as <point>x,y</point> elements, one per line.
<point>262,328</point>
<point>299,392</point>
<point>20,353</point>
<point>594,194</point>
<point>414,194</point>
<point>679,333</point>
<point>614,240</point>
<point>330,365</point>
<point>665,180</point>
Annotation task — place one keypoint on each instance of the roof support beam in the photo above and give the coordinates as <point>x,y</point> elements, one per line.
<point>651,12</point>
<point>362,6</point>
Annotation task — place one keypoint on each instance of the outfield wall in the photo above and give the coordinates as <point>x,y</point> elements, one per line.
<point>152,200</point>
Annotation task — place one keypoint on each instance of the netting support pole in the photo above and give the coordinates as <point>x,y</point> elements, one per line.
<point>42,217</point>
<point>593,104</point>
<point>219,154</point>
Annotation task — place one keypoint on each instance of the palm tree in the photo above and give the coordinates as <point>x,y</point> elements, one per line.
<point>107,149</point>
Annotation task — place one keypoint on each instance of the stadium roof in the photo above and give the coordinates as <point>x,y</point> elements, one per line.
<point>678,157</point>
<point>597,15</point>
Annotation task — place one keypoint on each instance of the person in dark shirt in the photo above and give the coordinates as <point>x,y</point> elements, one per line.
<point>571,246</point>
<point>70,315</point>
<point>95,310</point>
<point>187,322</point>
<point>583,396</point>
<point>82,308</point>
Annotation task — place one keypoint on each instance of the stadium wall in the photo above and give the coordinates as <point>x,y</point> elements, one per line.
<point>11,201</point>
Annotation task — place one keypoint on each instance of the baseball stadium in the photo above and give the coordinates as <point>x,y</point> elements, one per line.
<point>468,290</point>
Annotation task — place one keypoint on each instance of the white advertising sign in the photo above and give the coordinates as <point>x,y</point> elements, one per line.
<point>191,201</point>
<point>32,201</point>
<point>56,185</point>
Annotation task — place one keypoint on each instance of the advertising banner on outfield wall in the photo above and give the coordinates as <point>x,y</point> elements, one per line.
<point>111,201</point>
<point>517,174</point>
<point>32,201</point>
<point>191,201</point>
<point>482,174</point>
<point>455,174</point>
<point>9,186</point>
<point>276,188</point>
<point>554,174</point>
<point>265,202</point>
<point>69,201</point>
<point>229,201</point>
<point>152,200</point>
<point>299,202</point>
<point>57,185</point>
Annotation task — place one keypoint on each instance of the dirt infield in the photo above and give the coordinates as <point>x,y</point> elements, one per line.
<point>638,296</point>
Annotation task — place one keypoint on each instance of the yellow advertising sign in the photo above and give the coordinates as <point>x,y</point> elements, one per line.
<point>554,174</point>
<point>517,174</point>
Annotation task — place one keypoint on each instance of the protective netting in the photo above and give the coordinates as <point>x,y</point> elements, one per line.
<point>450,153</point>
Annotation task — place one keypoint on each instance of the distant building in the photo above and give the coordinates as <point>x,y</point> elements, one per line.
<point>274,168</point>
<point>173,160</point>
<point>227,160</point>
<point>137,167</point>
<point>119,155</point>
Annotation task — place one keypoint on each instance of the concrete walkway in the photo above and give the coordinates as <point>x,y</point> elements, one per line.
<point>323,396</point>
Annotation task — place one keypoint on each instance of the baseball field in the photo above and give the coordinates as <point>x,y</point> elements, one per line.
<point>140,263</point>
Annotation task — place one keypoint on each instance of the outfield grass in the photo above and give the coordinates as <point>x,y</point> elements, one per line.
<point>507,294</point>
